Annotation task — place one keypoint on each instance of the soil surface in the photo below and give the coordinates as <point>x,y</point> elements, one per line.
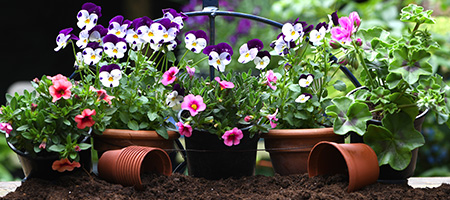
<point>88,186</point>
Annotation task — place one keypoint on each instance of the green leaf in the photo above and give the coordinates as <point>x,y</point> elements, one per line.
<point>349,115</point>
<point>162,131</point>
<point>84,146</point>
<point>340,85</point>
<point>394,141</point>
<point>152,116</point>
<point>57,148</point>
<point>133,125</point>
<point>411,68</point>
<point>22,128</point>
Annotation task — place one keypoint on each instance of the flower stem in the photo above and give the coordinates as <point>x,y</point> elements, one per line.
<point>366,69</point>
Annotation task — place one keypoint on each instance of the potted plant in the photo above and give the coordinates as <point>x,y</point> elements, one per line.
<point>300,94</point>
<point>50,128</point>
<point>122,61</point>
<point>400,86</point>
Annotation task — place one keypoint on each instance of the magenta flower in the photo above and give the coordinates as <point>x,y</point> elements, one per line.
<point>169,76</point>
<point>273,118</point>
<point>348,26</point>
<point>190,71</point>
<point>77,148</point>
<point>271,78</point>
<point>184,129</point>
<point>85,119</point>
<point>193,103</point>
<point>354,17</point>
<point>232,137</point>
<point>224,84</point>
<point>248,118</point>
<point>6,127</point>
<point>43,144</point>
<point>61,88</point>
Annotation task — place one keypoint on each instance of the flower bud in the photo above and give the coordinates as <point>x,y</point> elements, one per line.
<point>248,118</point>
<point>33,107</point>
<point>335,44</point>
<point>36,80</point>
<point>359,42</point>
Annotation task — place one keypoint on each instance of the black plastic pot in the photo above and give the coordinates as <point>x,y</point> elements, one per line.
<point>40,166</point>
<point>208,157</point>
<point>387,173</point>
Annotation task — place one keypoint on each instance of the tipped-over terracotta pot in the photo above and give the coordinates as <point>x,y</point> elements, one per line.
<point>358,161</point>
<point>125,166</point>
<point>289,148</point>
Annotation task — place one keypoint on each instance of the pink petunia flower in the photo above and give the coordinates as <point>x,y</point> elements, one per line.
<point>102,95</point>
<point>64,164</point>
<point>61,88</point>
<point>193,103</point>
<point>224,84</point>
<point>169,76</point>
<point>273,118</point>
<point>6,127</point>
<point>271,78</point>
<point>232,137</point>
<point>184,129</point>
<point>85,119</point>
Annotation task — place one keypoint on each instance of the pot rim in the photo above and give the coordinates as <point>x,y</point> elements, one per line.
<point>305,133</point>
<point>132,134</point>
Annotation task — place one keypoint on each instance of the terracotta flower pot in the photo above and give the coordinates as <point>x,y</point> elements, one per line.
<point>289,148</point>
<point>112,139</point>
<point>358,161</point>
<point>125,166</point>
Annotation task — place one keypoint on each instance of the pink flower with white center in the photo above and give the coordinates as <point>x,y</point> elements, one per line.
<point>6,127</point>
<point>224,84</point>
<point>61,88</point>
<point>114,46</point>
<point>194,104</point>
<point>273,118</point>
<point>184,129</point>
<point>190,71</point>
<point>232,137</point>
<point>292,32</point>
<point>85,119</point>
<point>169,76</point>
<point>305,80</point>
<point>271,78</point>
<point>86,20</point>
<point>102,95</point>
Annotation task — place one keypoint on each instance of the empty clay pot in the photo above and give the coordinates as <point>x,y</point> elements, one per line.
<point>357,160</point>
<point>126,165</point>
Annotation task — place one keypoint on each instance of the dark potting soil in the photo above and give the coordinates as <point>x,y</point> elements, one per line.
<point>83,186</point>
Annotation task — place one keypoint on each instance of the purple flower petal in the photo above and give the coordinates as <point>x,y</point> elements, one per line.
<point>109,68</point>
<point>255,43</point>
<point>261,54</point>
<point>92,8</point>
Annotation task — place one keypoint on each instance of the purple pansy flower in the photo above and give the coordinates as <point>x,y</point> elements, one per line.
<point>92,53</point>
<point>63,37</point>
<point>219,55</point>
<point>249,50</point>
<point>303,98</point>
<point>305,80</point>
<point>262,59</point>
<point>88,16</point>
<point>114,46</point>
<point>196,41</point>
<point>92,8</point>
<point>306,28</point>
<point>118,26</point>
<point>97,33</point>
<point>110,75</point>
<point>175,17</point>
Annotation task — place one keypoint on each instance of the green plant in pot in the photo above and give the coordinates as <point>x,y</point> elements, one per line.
<point>50,127</point>
<point>124,60</point>
<point>304,76</point>
<point>400,85</point>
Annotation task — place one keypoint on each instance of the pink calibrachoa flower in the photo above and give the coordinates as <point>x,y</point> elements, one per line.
<point>190,71</point>
<point>43,144</point>
<point>102,95</point>
<point>271,78</point>
<point>6,127</point>
<point>64,164</point>
<point>60,88</point>
<point>77,148</point>
<point>224,84</point>
<point>232,137</point>
<point>169,76</point>
<point>184,129</point>
<point>85,119</point>
<point>272,118</point>
<point>193,103</point>
<point>248,118</point>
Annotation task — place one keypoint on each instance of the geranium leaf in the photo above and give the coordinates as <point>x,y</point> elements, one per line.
<point>349,115</point>
<point>410,67</point>
<point>340,85</point>
<point>394,141</point>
